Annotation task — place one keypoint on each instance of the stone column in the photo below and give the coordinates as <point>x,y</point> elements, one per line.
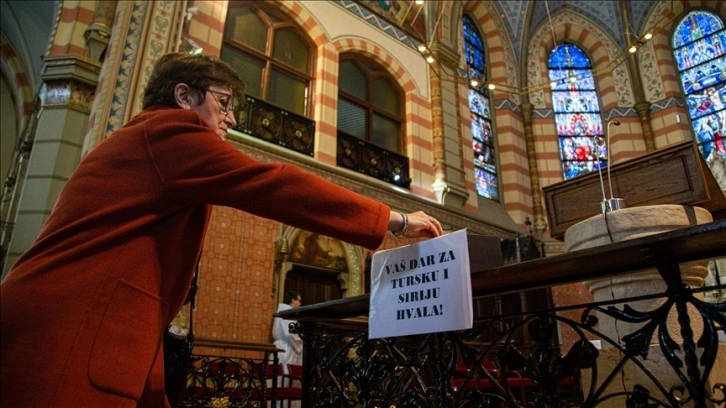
<point>540,224</point>
<point>643,109</point>
<point>69,85</point>
<point>621,225</point>
<point>98,34</point>
<point>642,106</point>
<point>450,183</point>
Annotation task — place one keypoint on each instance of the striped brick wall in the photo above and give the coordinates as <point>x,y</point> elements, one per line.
<point>207,26</point>
<point>513,165</point>
<point>18,83</point>
<point>514,174</point>
<point>626,140</point>
<point>326,103</point>
<point>75,17</point>
<point>547,150</point>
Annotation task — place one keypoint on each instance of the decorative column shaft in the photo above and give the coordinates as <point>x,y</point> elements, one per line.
<point>98,34</point>
<point>540,224</point>
<point>643,109</point>
<point>642,106</point>
<point>69,86</point>
<point>437,133</point>
<point>449,171</point>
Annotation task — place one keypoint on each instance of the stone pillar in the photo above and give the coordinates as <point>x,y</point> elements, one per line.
<point>540,224</point>
<point>621,225</point>
<point>449,169</point>
<point>98,34</point>
<point>69,85</point>
<point>643,109</point>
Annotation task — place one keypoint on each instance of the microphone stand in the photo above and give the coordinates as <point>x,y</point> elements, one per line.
<point>612,203</point>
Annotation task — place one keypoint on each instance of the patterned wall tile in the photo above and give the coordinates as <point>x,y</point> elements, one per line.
<point>373,19</point>
<point>122,86</point>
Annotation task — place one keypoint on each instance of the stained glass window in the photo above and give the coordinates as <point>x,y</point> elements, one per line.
<point>482,134</point>
<point>698,47</point>
<point>577,111</point>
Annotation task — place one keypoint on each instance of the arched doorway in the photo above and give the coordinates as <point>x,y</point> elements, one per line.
<point>314,284</point>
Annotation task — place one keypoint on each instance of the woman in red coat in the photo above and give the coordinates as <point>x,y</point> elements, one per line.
<point>84,310</point>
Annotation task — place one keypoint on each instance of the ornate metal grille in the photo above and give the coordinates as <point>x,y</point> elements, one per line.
<point>358,155</point>
<point>276,125</point>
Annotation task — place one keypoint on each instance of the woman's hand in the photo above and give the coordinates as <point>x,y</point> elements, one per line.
<point>414,225</point>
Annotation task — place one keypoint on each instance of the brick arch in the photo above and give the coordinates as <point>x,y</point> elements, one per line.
<point>449,30</point>
<point>417,108</point>
<point>350,279</point>
<point>500,56</point>
<point>302,17</point>
<point>594,41</point>
<point>18,81</point>
<point>379,55</point>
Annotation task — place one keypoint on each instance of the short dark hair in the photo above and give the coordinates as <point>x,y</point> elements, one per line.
<point>291,295</point>
<point>198,71</point>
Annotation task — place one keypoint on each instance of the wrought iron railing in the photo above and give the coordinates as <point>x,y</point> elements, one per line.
<point>273,124</point>
<point>343,368</point>
<point>220,380</point>
<point>276,125</point>
<point>358,155</point>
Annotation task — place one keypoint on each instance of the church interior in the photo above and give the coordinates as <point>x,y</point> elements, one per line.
<point>500,117</point>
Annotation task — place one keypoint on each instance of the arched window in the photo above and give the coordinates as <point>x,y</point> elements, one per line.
<point>482,131</point>
<point>699,43</point>
<point>271,55</point>
<point>577,111</point>
<point>370,121</point>
<point>369,103</point>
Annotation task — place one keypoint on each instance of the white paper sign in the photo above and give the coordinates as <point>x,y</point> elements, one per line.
<point>421,288</point>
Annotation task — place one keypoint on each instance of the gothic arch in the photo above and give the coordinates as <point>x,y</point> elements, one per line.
<point>395,69</point>
<point>601,49</point>
<point>379,55</point>
<point>660,21</point>
<point>302,17</point>
<point>498,46</point>
<point>18,81</point>
<point>450,14</point>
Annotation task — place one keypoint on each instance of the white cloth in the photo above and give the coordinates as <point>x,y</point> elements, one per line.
<point>290,343</point>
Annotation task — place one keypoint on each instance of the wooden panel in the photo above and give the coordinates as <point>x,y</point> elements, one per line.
<point>705,241</point>
<point>673,175</point>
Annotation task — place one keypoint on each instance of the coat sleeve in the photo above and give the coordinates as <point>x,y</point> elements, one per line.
<point>197,166</point>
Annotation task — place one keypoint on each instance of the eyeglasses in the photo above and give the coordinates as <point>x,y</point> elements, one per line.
<point>225,106</point>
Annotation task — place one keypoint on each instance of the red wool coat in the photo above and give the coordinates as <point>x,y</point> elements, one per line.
<point>85,308</point>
